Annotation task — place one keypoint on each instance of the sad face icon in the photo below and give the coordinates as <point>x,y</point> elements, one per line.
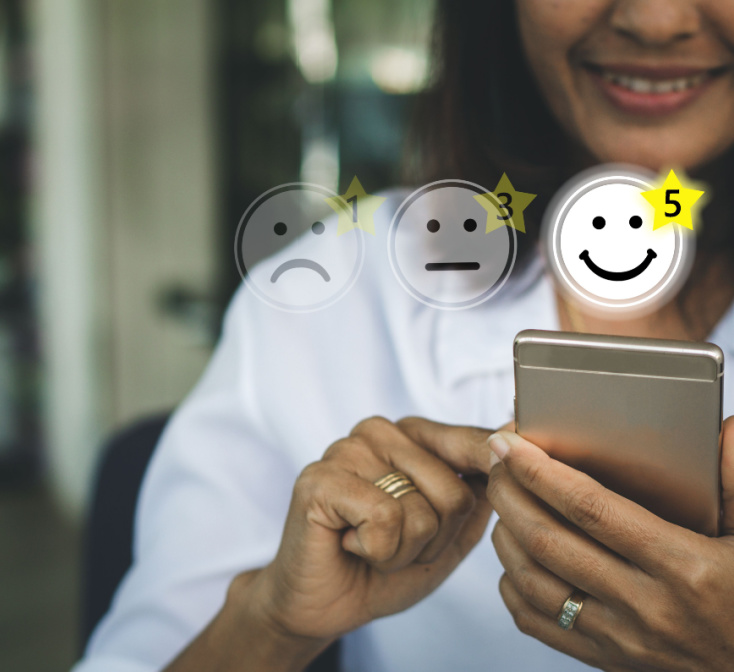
<point>288,251</point>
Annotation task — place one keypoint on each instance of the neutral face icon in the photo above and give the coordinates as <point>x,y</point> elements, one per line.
<point>439,250</point>
<point>315,267</point>
<point>602,247</point>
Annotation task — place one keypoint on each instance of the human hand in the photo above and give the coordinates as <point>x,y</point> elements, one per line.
<point>659,597</point>
<point>350,552</point>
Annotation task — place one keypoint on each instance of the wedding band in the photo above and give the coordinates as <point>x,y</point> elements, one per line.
<point>396,484</point>
<point>570,610</point>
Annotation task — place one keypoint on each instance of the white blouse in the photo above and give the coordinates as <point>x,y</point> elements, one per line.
<point>281,387</point>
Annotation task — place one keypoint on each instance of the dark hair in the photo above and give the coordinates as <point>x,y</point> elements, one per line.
<point>484,115</point>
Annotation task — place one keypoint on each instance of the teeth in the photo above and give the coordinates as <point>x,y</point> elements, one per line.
<point>642,85</point>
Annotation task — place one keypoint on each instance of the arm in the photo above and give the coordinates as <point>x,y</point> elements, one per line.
<point>351,552</point>
<point>213,508</point>
<point>242,636</point>
<point>212,511</point>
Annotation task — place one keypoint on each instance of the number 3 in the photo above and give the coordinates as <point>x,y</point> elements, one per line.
<point>505,206</point>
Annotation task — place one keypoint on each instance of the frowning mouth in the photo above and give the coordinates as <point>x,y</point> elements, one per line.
<point>453,266</point>
<point>299,263</point>
<point>617,276</point>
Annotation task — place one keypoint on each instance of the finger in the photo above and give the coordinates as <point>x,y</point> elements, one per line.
<point>420,522</point>
<point>386,532</point>
<point>539,587</point>
<point>564,550</point>
<point>727,478</point>
<point>618,523</point>
<point>469,535</point>
<point>464,449</point>
<point>449,496</point>
<point>420,526</point>
<point>535,623</point>
<point>330,499</point>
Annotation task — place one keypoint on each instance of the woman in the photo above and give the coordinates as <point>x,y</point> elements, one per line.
<point>228,576</point>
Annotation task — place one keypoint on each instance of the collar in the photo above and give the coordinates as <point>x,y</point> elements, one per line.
<point>478,341</point>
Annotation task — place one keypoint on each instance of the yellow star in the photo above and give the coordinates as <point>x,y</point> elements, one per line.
<point>674,203</point>
<point>356,209</point>
<point>510,203</point>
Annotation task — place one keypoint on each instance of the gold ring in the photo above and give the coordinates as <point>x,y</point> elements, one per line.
<point>570,610</point>
<point>396,484</point>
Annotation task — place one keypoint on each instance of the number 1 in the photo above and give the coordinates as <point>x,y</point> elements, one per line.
<point>353,201</point>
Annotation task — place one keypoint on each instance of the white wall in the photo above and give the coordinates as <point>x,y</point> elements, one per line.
<point>160,186</point>
<point>124,207</point>
<point>67,235</point>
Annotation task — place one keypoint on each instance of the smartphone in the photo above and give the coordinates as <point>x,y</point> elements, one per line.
<point>641,416</point>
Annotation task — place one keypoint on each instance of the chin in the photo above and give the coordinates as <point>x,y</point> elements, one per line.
<point>653,152</point>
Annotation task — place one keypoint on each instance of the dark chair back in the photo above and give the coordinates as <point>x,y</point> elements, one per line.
<point>108,537</point>
<point>107,550</point>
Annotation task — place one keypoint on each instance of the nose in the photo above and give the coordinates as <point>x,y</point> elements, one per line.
<point>656,23</point>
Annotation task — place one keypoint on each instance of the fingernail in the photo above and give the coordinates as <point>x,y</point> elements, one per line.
<point>493,459</point>
<point>499,445</point>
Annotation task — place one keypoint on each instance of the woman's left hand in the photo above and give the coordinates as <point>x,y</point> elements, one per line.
<point>658,596</point>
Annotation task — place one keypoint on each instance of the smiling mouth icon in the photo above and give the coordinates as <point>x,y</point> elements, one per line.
<point>621,275</point>
<point>299,263</point>
<point>453,266</point>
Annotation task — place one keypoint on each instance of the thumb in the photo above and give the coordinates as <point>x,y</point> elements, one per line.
<point>727,478</point>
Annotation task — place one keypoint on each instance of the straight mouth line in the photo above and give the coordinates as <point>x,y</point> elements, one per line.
<point>618,275</point>
<point>299,263</point>
<point>453,266</point>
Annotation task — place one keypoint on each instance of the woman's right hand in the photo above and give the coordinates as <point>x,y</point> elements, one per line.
<point>350,552</point>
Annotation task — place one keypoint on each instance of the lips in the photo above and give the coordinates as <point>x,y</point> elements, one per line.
<point>651,91</point>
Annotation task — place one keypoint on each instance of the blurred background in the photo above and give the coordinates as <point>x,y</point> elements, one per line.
<point>133,135</point>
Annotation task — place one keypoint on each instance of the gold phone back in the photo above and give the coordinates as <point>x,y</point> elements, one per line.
<point>641,416</point>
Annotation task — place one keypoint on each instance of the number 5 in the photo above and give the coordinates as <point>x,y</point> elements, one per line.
<point>671,201</point>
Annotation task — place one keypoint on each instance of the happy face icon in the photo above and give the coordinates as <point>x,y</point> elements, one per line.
<point>602,248</point>
<point>288,252</point>
<point>439,249</point>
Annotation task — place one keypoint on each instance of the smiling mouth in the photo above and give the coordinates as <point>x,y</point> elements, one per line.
<point>642,79</point>
<point>299,263</point>
<point>617,276</point>
<point>652,90</point>
<point>453,266</point>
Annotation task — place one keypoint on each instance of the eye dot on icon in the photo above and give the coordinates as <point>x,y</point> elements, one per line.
<point>470,225</point>
<point>433,225</point>
<point>599,222</point>
<point>635,221</point>
<point>318,228</point>
<point>280,228</point>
